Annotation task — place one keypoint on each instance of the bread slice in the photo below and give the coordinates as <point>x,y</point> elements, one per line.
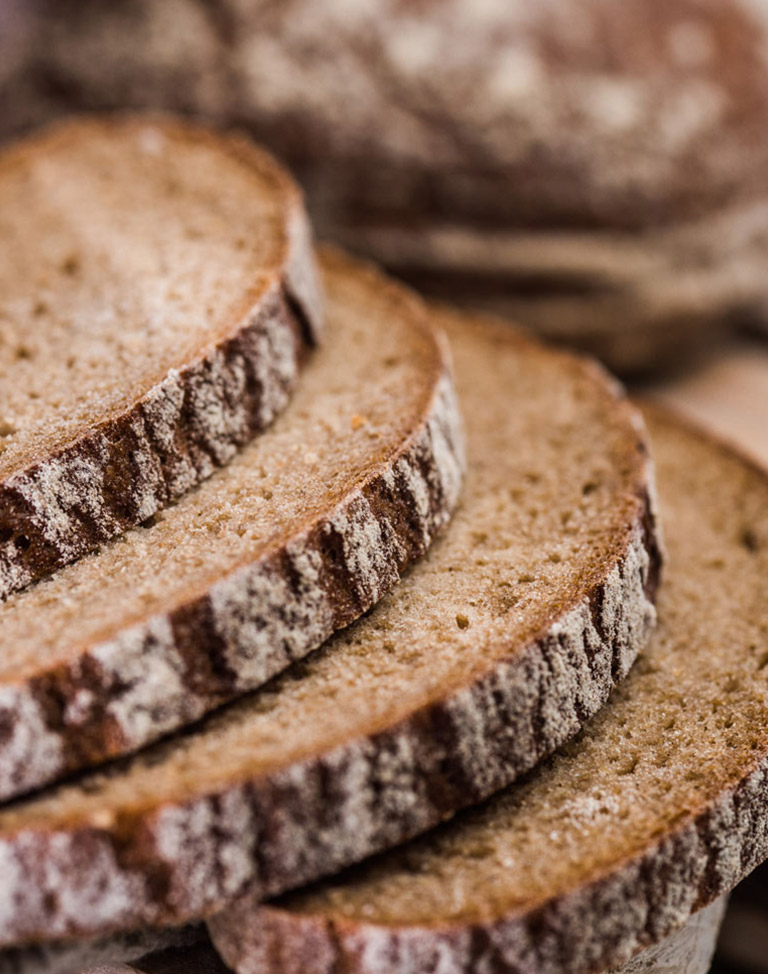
<point>490,653</point>
<point>299,535</point>
<point>657,809</point>
<point>640,302</point>
<point>157,292</point>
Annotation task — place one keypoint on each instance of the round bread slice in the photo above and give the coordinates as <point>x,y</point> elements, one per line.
<point>491,652</point>
<point>640,302</point>
<point>297,536</point>
<point>157,295</point>
<point>657,809</point>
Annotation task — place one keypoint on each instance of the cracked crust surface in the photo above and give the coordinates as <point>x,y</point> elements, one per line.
<point>492,651</point>
<point>296,537</point>
<point>657,809</point>
<point>158,294</point>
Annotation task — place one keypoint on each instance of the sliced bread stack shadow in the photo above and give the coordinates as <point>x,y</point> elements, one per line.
<point>464,655</point>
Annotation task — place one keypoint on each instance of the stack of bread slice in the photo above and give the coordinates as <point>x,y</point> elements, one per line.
<point>448,541</point>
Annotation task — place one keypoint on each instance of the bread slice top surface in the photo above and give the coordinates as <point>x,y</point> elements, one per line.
<point>363,397</point>
<point>688,724</point>
<point>557,485</point>
<point>130,248</point>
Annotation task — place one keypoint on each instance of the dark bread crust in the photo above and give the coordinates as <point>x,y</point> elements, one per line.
<point>121,470</point>
<point>187,949</point>
<point>591,114</point>
<point>586,931</point>
<point>281,828</point>
<point>602,922</point>
<point>304,587</point>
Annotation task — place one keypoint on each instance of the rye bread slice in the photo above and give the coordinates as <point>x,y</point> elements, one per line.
<point>641,302</point>
<point>296,537</point>
<point>490,653</point>
<point>655,810</point>
<point>157,295</point>
<point>173,950</point>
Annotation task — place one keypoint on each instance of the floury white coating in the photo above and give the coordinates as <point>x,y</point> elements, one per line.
<point>137,447</point>
<point>654,812</point>
<point>283,788</point>
<point>211,847</point>
<point>687,951</point>
<point>274,605</point>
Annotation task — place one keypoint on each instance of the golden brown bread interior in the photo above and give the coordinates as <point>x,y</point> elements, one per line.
<point>493,650</point>
<point>654,810</point>
<point>157,296</point>
<point>296,537</point>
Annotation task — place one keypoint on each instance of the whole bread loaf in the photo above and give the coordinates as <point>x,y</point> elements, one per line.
<point>588,112</point>
<point>493,650</point>
<point>603,117</point>
<point>654,811</point>
<point>158,294</point>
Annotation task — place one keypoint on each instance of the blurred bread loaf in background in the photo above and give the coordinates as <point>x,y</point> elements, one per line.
<point>596,167</point>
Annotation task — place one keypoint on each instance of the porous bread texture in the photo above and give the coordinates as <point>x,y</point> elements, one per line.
<point>157,294</point>
<point>656,809</point>
<point>296,537</point>
<point>491,651</point>
<point>639,302</point>
<point>501,112</point>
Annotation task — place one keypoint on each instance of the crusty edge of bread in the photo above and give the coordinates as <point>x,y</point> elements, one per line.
<point>597,925</point>
<point>281,829</point>
<point>128,466</point>
<point>240,629</point>
<point>692,945</point>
